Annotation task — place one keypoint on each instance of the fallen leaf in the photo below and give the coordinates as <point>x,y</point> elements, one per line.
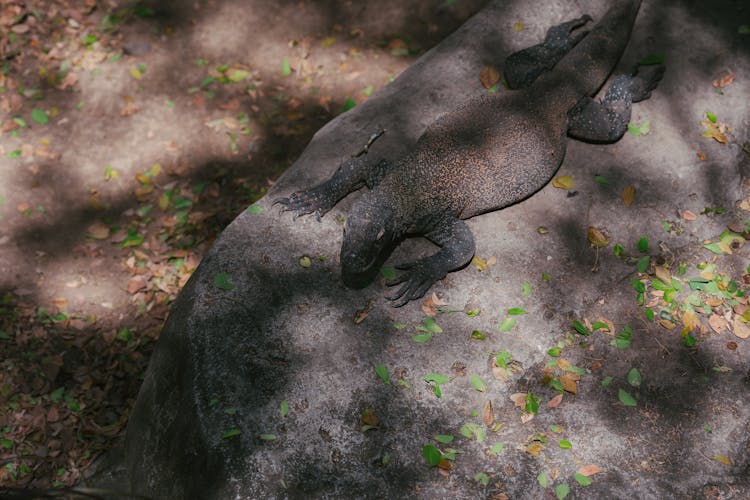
<point>479,263</point>
<point>597,238</point>
<point>489,414</point>
<point>717,322</point>
<point>701,155</point>
<point>534,448</point>
<point>569,382</point>
<point>663,274</point>
<point>61,303</point>
<point>136,283</point>
<point>725,80</point>
<point>489,76</point>
<point>628,195</point>
<point>690,320</point>
<point>589,470</point>
<point>740,328</point>
<point>98,231</point>
<point>563,182</point>
<point>555,402</point>
<point>519,399</point>
<point>527,417</point>
<point>723,459</point>
<point>688,215</point>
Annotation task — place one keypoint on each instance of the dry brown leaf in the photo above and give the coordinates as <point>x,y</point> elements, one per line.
<point>555,402</point>
<point>690,320</point>
<point>98,231</point>
<point>688,215</point>
<point>628,195</point>
<point>563,182</point>
<point>489,414</point>
<point>519,398</point>
<point>136,283</point>
<point>597,238</point>
<point>724,80</point>
<point>569,383</point>
<point>491,261</point>
<point>489,76</point>
<point>534,448</point>
<point>665,323</point>
<point>500,373</point>
<point>61,303</point>
<point>663,274</point>
<point>444,465</point>
<point>527,417</point>
<point>717,322</point>
<point>589,470</point>
<point>740,328</point>
<point>563,363</point>
<point>701,155</point>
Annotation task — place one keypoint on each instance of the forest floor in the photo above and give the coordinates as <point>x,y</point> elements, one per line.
<point>131,134</point>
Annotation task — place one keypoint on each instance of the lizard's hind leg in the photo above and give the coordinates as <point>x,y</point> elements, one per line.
<point>525,66</point>
<point>608,120</point>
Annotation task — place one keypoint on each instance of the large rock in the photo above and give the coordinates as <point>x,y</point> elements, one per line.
<point>283,333</point>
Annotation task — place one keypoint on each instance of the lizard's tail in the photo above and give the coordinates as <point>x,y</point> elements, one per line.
<point>597,54</point>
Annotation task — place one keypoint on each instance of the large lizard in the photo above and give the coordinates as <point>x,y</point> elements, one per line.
<point>490,152</point>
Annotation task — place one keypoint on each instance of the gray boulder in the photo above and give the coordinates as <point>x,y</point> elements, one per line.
<point>265,323</point>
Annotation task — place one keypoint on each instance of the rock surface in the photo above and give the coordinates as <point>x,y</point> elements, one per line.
<point>274,332</point>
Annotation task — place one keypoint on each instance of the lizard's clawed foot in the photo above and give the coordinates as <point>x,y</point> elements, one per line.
<point>645,79</point>
<point>562,35</point>
<point>418,278</point>
<point>303,203</point>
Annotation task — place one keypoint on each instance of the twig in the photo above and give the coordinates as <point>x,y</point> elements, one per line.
<point>374,137</point>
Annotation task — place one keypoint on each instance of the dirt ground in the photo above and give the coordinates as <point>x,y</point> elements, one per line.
<point>130,135</point>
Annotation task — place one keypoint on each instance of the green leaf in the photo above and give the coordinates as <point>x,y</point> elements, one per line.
<point>443,438</point>
<point>437,378</point>
<point>477,335</point>
<point>565,444</point>
<point>545,277</point>
<point>649,313</point>
<point>526,289</point>
<point>532,403</point>
<point>482,478</point>
<point>124,334</point>
<point>255,209</point>
<point>57,395</point>
<point>422,338</point>
<point>388,272</point>
<point>284,408</point>
<point>582,480</point>
<point>581,328</point>
<point>472,313</point>
<point>478,384</point>
<point>543,480</point>
<point>618,250</point>
<point>507,325</point>
<point>6,443</point>
<point>238,75</point>
<point>268,437</point>
<point>231,433</point>
<point>516,311</point>
<point>221,281</point>
<point>561,491</point>
<point>600,325</point>
<point>711,117</point>
<point>20,122</point>
<point>643,263</point>
<point>502,359</point>
<point>651,59</point>
<point>555,352</point>
<point>744,29</point>
<point>606,381</point>
<point>431,454</point>
<point>642,128</point>
<point>689,340</point>
<point>601,180</point>
<point>634,377</point>
<point>286,69</point>
<point>643,244</point>
<point>626,398</point>
<point>382,372</point>
<point>429,325</point>
<point>349,103</point>
<point>497,448</point>
<point>40,116</point>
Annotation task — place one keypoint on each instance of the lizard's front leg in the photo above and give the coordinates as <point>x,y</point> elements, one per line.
<point>458,247</point>
<point>350,176</point>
